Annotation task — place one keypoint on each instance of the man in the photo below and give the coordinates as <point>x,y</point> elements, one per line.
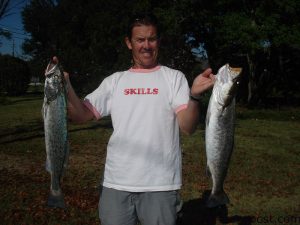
<point>148,104</point>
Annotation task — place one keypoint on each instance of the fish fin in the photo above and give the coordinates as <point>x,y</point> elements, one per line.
<point>217,200</point>
<point>207,171</point>
<point>56,201</point>
<point>66,161</point>
<point>207,117</point>
<point>48,166</point>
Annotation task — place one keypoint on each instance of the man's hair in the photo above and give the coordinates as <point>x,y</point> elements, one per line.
<point>142,19</point>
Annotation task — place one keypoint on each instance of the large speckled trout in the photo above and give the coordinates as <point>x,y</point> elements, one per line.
<point>56,134</point>
<point>219,132</point>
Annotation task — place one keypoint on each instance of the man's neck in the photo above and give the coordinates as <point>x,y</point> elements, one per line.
<point>137,66</point>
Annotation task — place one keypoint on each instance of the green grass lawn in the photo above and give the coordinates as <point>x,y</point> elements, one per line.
<point>262,182</point>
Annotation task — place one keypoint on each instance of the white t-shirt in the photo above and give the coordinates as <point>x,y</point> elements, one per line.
<point>143,153</point>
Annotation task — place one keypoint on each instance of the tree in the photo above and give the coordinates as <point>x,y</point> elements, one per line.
<point>6,7</point>
<point>14,75</point>
<point>3,8</point>
<point>88,36</point>
<point>3,12</point>
<point>247,33</point>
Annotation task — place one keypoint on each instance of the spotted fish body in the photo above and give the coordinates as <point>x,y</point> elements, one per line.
<point>219,132</point>
<point>56,135</point>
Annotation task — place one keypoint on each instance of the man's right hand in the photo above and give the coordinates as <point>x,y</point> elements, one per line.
<point>55,60</point>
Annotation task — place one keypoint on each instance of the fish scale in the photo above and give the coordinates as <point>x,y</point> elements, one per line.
<point>56,132</point>
<point>219,131</point>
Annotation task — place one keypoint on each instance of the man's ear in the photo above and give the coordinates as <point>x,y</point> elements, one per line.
<point>128,43</point>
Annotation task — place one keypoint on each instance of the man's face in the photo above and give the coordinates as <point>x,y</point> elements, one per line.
<point>144,45</point>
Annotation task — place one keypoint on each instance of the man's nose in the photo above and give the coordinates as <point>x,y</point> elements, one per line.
<point>146,44</point>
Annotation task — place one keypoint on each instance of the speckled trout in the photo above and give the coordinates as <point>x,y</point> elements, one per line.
<point>219,132</point>
<point>56,133</point>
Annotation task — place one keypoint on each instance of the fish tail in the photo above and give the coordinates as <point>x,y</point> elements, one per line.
<point>215,200</point>
<point>56,200</point>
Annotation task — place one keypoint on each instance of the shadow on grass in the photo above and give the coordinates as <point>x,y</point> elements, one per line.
<point>29,133</point>
<point>194,212</point>
<point>33,96</point>
<point>21,130</point>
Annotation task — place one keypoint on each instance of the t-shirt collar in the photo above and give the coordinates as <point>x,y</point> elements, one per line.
<point>145,70</point>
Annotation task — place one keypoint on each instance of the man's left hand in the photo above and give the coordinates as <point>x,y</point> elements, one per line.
<point>203,82</point>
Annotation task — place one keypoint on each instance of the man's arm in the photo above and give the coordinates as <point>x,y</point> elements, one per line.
<point>188,118</point>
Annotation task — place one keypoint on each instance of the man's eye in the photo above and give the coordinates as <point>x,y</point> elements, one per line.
<point>153,39</point>
<point>140,40</point>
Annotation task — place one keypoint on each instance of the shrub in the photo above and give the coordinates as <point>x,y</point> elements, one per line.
<point>14,75</point>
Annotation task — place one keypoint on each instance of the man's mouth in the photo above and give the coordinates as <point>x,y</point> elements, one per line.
<point>147,53</point>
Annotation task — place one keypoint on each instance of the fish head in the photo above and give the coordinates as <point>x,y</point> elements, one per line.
<point>54,69</point>
<point>226,85</point>
<point>54,83</point>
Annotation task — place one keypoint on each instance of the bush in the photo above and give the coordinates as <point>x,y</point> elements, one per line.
<point>14,75</point>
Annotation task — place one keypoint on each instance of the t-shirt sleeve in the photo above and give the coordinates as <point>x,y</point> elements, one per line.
<point>99,101</point>
<point>180,93</point>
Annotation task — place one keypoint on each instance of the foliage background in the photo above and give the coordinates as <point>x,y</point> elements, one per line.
<point>14,75</point>
<point>263,37</point>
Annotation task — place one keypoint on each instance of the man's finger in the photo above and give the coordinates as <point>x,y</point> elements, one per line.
<point>212,77</point>
<point>55,60</point>
<point>207,72</point>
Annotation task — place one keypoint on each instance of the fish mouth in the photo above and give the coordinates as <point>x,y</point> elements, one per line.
<point>235,76</point>
<point>235,70</point>
<point>235,73</point>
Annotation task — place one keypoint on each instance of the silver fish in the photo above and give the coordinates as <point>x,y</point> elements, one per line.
<point>219,132</point>
<point>56,133</point>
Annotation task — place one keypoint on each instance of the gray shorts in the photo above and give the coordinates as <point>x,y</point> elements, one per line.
<point>128,208</point>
